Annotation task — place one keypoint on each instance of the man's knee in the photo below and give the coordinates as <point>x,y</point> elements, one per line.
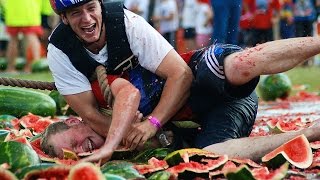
<point>239,69</point>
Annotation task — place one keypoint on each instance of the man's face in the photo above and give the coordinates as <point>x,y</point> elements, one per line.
<point>85,20</point>
<point>78,138</point>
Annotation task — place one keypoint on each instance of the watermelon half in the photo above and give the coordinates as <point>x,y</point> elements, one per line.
<point>297,151</point>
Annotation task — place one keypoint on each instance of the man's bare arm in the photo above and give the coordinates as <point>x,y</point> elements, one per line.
<point>178,77</point>
<point>255,148</point>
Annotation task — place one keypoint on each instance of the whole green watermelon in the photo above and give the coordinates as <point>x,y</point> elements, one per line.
<point>274,86</point>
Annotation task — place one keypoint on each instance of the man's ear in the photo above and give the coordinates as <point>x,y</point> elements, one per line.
<point>64,19</point>
<point>72,121</point>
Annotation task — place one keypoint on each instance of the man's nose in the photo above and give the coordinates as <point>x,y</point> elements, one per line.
<point>86,16</point>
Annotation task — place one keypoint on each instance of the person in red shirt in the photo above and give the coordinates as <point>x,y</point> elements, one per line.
<point>245,34</point>
<point>266,13</point>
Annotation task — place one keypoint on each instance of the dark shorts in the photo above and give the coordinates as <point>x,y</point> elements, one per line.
<point>223,111</point>
<point>189,33</point>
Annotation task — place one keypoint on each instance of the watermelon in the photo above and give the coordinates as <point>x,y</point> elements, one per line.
<point>296,151</point>
<point>19,102</point>
<point>3,134</point>
<point>20,63</point>
<point>85,171</point>
<point>21,173</point>
<point>5,121</point>
<point>161,175</point>
<point>274,86</point>
<point>144,156</point>
<point>47,172</point>
<point>3,63</point>
<point>60,102</point>
<point>184,155</point>
<point>17,155</point>
<point>121,168</point>
<point>240,173</point>
<point>40,65</point>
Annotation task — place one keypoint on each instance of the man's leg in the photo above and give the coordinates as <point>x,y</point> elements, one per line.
<point>227,120</point>
<point>224,111</point>
<point>269,58</point>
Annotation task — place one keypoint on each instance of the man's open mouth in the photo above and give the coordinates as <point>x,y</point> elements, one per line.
<point>89,29</point>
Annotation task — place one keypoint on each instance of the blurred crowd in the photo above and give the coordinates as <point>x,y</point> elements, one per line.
<point>187,24</point>
<point>241,22</point>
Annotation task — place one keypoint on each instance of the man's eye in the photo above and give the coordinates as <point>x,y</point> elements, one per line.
<point>74,13</point>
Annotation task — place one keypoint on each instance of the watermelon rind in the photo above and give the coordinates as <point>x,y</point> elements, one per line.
<point>298,146</point>
<point>144,156</point>
<point>3,134</point>
<point>240,173</point>
<point>53,172</point>
<point>160,175</point>
<point>17,155</point>
<point>113,177</point>
<point>121,168</point>
<point>5,121</point>
<point>85,171</point>
<point>21,173</point>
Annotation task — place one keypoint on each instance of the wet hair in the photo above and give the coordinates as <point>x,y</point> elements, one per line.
<point>52,129</point>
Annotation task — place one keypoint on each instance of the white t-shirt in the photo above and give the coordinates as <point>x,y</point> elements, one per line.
<point>145,43</point>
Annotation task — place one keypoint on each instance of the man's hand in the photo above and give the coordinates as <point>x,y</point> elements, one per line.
<point>139,133</point>
<point>102,155</point>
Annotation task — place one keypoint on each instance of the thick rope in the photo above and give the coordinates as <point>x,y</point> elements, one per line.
<point>103,83</point>
<point>27,83</point>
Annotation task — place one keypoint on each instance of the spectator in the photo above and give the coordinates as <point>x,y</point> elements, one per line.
<point>266,14</point>
<point>204,24</point>
<point>245,33</point>
<point>188,24</point>
<point>226,20</point>
<point>168,18</point>
<point>304,16</point>
<point>22,17</point>
<point>4,38</point>
<point>286,20</point>
<point>140,7</point>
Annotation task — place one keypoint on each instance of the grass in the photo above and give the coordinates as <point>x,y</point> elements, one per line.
<point>307,76</point>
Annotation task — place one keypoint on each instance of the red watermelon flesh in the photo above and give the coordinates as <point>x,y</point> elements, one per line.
<point>85,171</point>
<point>297,151</point>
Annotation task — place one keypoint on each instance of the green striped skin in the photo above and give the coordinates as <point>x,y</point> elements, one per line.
<point>24,171</point>
<point>17,155</point>
<point>5,121</point>
<point>19,102</point>
<point>3,134</point>
<point>274,86</point>
<point>121,168</point>
<point>159,153</point>
<point>160,175</point>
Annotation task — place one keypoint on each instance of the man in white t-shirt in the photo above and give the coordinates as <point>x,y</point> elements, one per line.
<point>100,47</point>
